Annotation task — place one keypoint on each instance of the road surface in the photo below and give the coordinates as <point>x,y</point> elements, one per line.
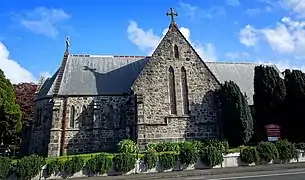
<point>292,174</point>
<point>288,174</point>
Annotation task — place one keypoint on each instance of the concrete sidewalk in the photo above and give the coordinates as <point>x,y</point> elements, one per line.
<point>186,173</point>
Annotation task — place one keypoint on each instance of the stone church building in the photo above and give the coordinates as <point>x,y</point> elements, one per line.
<point>92,101</point>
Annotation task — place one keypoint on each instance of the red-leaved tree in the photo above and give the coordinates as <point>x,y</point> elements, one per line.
<point>25,96</point>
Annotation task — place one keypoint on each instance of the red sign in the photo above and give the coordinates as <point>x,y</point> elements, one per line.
<point>273,130</point>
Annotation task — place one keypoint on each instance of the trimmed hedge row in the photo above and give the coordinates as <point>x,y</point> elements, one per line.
<point>264,152</point>
<point>210,152</point>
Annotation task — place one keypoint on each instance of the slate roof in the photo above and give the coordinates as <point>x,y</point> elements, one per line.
<point>114,75</point>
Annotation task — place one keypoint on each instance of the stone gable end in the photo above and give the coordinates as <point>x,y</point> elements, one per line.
<point>153,85</point>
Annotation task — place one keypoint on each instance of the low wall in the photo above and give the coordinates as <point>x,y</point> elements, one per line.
<point>230,160</point>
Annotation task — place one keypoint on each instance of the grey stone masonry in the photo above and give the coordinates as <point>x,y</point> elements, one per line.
<point>40,136</point>
<point>96,124</point>
<point>155,121</point>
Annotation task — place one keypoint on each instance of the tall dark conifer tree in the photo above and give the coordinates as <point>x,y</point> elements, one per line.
<point>236,119</point>
<point>294,125</point>
<point>269,98</point>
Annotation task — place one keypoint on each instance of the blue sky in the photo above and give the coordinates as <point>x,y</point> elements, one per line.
<point>32,35</point>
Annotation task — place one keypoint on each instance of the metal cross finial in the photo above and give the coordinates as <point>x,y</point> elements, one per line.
<point>172,14</point>
<point>67,43</point>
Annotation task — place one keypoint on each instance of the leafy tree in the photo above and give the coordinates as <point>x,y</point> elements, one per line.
<point>236,119</point>
<point>25,95</point>
<point>295,104</point>
<point>10,113</point>
<point>269,97</point>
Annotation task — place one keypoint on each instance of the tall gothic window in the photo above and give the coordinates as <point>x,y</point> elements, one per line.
<point>184,91</point>
<point>176,51</point>
<point>84,115</point>
<point>172,91</point>
<point>72,116</point>
<point>38,117</point>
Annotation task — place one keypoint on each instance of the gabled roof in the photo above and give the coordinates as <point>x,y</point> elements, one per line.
<point>114,75</point>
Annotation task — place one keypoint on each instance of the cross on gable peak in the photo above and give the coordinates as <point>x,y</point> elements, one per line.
<point>172,13</point>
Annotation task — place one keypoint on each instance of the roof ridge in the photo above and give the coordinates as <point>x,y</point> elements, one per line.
<point>224,62</point>
<point>112,56</point>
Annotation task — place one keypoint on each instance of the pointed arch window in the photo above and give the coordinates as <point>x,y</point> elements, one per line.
<point>176,51</point>
<point>172,91</point>
<point>84,115</point>
<point>185,98</point>
<point>72,116</point>
<point>38,117</point>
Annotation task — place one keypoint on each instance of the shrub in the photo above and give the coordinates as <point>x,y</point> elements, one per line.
<point>73,165</point>
<point>249,155</point>
<point>222,146</point>
<point>168,159</point>
<point>99,164</point>
<point>127,146</point>
<point>5,167</point>
<point>211,156</point>
<point>124,162</point>
<point>286,150</point>
<point>29,166</point>
<point>300,146</point>
<point>188,153</point>
<point>54,167</point>
<point>150,159</point>
<point>166,146</point>
<point>267,151</point>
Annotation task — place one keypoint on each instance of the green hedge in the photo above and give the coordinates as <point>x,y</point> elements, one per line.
<point>249,155</point>
<point>168,159</point>
<point>211,156</point>
<point>150,159</point>
<point>99,164</point>
<point>267,151</point>
<point>286,151</point>
<point>209,151</point>
<point>124,162</point>
<point>188,153</point>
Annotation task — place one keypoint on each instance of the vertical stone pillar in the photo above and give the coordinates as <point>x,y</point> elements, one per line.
<point>55,131</point>
<point>140,121</point>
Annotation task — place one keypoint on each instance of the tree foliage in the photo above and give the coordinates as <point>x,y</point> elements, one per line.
<point>269,97</point>
<point>25,96</point>
<point>10,113</point>
<point>295,105</point>
<point>236,119</point>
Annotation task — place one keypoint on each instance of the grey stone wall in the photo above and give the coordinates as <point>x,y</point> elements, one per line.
<point>99,124</point>
<point>154,118</point>
<point>40,136</point>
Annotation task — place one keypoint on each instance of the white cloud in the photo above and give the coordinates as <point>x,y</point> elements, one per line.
<point>194,12</point>
<point>286,37</point>
<point>147,41</point>
<point>248,36</point>
<point>45,74</point>
<point>237,55</point>
<point>191,11</point>
<point>12,69</point>
<point>296,6</point>
<point>233,2</point>
<point>282,64</point>
<point>45,21</point>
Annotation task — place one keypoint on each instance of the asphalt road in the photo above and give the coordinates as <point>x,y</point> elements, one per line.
<point>292,174</point>
<point>243,174</point>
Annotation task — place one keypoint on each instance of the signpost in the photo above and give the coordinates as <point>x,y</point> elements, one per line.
<point>273,132</point>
